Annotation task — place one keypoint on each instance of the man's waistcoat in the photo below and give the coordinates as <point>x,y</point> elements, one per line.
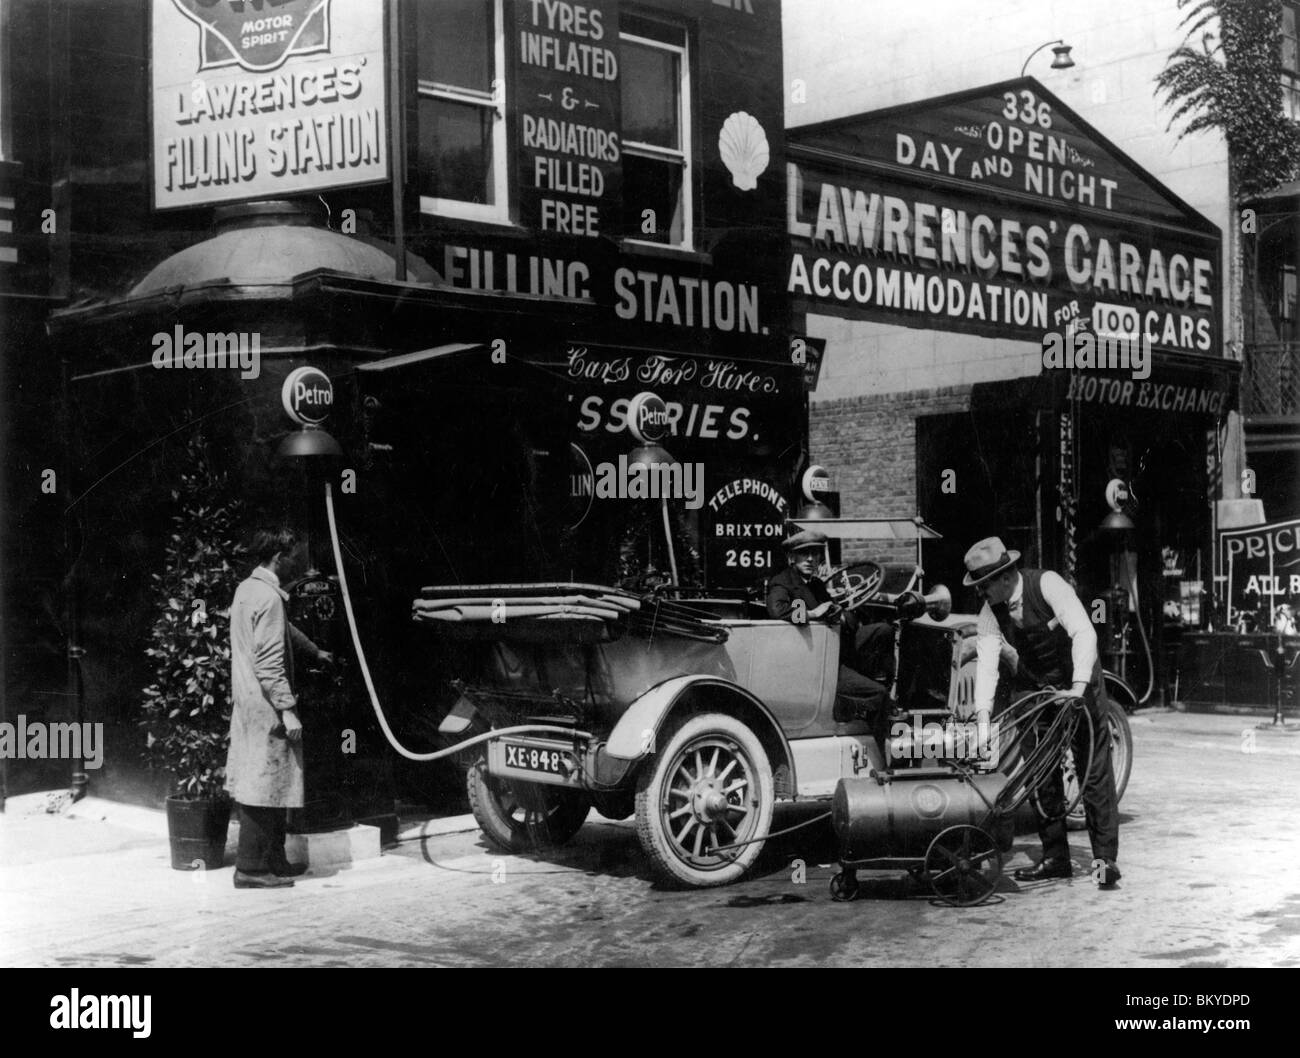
<point>1045,654</point>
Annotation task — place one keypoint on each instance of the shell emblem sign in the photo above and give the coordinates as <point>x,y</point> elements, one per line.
<point>742,145</point>
<point>261,100</point>
<point>254,36</point>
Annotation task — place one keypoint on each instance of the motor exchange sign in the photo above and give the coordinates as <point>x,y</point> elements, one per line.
<point>253,101</point>
<point>996,212</point>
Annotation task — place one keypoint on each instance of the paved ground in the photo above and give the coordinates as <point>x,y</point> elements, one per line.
<point>1208,846</point>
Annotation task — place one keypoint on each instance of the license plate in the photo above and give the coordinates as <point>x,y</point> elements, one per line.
<point>541,759</point>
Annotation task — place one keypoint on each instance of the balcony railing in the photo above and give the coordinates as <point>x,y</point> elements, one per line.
<point>1270,379</point>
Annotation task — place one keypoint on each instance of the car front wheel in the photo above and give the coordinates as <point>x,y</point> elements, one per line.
<point>709,786</point>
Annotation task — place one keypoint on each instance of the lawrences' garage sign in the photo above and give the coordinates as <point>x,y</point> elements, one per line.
<point>996,212</point>
<point>257,100</point>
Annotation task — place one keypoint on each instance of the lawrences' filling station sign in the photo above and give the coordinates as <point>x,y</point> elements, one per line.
<point>251,101</point>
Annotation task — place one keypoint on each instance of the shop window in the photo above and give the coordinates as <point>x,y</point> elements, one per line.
<point>1291,61</point>
<point>654,70</point>
<point>1286,298</point>
<point>462,128</point>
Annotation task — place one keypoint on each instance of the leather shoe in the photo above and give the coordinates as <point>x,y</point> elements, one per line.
<point>260,881</point>
<point>1106,873</point>
<point>1054,868</point>
<point>288,870</point>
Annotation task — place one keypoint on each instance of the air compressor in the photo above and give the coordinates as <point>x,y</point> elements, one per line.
<point>948,825</point>
<point>941,825</point>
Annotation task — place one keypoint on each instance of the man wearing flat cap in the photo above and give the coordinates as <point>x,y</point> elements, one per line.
<point>798,583</point>
<point>797,595</point>
<point>1040,616</point>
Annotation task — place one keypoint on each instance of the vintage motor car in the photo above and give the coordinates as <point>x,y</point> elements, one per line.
<point>694,714</point>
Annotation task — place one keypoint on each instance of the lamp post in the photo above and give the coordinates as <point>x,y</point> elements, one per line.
<point>1060,55</point>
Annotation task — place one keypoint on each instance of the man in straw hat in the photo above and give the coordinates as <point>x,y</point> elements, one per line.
<point>1039,615</point>
<point>798,595</point>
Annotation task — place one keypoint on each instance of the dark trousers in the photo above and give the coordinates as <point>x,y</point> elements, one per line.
<point>866,659</point>
<point>1100,804</point>
<point>261,839</point>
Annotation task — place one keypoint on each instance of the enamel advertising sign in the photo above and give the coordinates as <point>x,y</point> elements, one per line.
<point>257,99</point>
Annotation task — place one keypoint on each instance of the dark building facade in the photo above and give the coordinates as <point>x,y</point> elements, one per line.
<point>492,224</point>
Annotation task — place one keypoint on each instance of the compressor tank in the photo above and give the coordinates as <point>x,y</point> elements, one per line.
<point>897,816</point>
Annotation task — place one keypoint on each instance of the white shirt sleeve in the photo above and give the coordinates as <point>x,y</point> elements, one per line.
<point>1065,603</point>
<point>988,646</point>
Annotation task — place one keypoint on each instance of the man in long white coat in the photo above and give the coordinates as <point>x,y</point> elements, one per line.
<point>264,762</point>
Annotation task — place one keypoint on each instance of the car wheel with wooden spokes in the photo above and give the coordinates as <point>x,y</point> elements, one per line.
<point>1121,762</point>
<point>522,816</point>
<point>708,786</point>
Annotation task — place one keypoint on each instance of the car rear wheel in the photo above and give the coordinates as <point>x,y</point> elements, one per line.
<point>708,786</point>
<point>522,816</point>
<point>1121,762</point>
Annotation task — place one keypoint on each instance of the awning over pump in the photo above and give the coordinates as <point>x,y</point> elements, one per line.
<point>870,528</point>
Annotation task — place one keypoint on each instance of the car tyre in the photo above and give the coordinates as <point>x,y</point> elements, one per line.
<point>522,816</point>
<point>709,785</point>
<point>1121,762</point>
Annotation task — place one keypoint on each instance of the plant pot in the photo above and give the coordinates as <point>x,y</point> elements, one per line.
<point>197,830</point>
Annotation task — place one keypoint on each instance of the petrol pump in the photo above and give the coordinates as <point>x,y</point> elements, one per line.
<point>344,779</point>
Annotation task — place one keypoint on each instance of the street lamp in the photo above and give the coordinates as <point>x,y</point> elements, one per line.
<point>1060,56</point>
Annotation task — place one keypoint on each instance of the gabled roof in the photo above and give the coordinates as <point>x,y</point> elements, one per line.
<point>959,141</point>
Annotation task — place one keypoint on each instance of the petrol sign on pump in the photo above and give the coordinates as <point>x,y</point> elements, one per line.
<point>307,396</point>
<point>647,418</point>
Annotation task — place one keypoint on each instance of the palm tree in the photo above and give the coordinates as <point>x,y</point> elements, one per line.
<point>1232,82</point>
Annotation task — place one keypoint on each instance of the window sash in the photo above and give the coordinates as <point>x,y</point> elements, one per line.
<point>1291,96</point>
<point>679,156</point>
<point>498,211</point>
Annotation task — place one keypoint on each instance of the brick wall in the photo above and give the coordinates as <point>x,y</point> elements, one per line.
<point>869,446</point>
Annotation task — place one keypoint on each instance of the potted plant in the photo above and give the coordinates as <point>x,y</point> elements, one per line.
<point>186,714</point>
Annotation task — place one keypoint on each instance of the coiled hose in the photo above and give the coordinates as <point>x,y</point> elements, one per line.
<point>1026,718</point>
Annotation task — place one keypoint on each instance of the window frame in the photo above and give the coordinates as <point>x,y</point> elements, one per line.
<point>685,127</point>
<point>1290,75</point>
<point>497,212</point>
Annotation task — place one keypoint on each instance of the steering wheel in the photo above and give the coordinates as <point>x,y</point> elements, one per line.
<point>851,586</point>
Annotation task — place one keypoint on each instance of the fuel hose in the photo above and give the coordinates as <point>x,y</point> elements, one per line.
<point>370,683</point>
